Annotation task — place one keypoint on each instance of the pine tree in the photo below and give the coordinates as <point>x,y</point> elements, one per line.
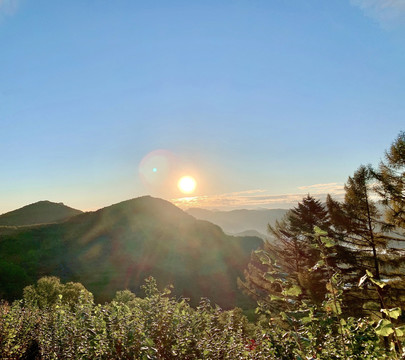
<point>359,228</point>
<point>391,182</point>
<point>286,265</point>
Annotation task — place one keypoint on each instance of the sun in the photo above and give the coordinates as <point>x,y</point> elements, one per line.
<point>187,184</point>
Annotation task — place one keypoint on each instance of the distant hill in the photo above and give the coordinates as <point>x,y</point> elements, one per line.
<point>117,247</point>
<point>41,212</point>
<point>251,233</point>
<point>240,221</point>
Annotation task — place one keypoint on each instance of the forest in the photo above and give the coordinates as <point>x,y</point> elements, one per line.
<point>328,284</point>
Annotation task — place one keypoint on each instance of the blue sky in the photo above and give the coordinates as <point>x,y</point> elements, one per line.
<point>260,101</point>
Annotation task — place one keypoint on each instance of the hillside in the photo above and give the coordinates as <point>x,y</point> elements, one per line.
<point>41,212</point>
<point>119,246</point>
<point>240,221</point>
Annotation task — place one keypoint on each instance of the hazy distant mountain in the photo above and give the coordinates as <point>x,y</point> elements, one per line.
<point>41,212</point>
<point>251,233</point>
<point>119,246</point>
<point>239,221</point>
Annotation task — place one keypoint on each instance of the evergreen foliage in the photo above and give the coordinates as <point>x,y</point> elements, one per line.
<point>391,182</point>
<point>346,251</point>
<point>360,229</point>
<point>291,255</point>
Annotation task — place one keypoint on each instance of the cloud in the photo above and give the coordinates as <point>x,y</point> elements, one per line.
<point>259,198</point>
<point>386,12</point>
<point>8,7</point>
<point>321,188</point>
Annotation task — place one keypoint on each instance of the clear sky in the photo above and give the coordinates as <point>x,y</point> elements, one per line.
<point>260,101</point>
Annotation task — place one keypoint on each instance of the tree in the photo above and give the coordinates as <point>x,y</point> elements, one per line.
<point>287,264</point>
<point>49,290</point>
<point>391,182</point>
<point>358,226</point>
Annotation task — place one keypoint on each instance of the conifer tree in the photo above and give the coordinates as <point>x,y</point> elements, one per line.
<point>391,182</point>
<point>294,239</point>
<point>359,228</point>
<point>286,263</point>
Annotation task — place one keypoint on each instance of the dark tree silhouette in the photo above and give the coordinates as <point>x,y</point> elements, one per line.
<point>290,257</point>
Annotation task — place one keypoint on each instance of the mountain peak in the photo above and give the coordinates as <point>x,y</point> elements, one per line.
<point>120,245</point>
<point>41,212</point>
<point>147,205</point>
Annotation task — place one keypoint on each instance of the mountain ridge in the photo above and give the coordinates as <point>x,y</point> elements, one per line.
<point>118,246</point>
<point>40,212</point>
<point>240,221</point>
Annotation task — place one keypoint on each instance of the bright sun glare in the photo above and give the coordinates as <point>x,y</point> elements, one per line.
<point>187,184</point>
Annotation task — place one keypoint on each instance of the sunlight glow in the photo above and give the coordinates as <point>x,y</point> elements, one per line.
<point>187,184</point>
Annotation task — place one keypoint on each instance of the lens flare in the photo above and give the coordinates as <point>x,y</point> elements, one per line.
<point>156,167</point>
<point>187,184</point>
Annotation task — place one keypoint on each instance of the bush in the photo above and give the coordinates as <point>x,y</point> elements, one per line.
<point>158,326</point>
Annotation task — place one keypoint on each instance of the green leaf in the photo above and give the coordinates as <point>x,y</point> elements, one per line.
<point>393,313</point>
<point>263,257</point>
<point>336,308</point>
<point>319,231</point>
<point>294,290</point>
<point>327,241</point>
<point>276,298</point>
<point>369,273</point>
<point>384,328</point>
<point>378,283</point>
<point>371,306</point>
<point>400,330</point>
<point>269,277</point>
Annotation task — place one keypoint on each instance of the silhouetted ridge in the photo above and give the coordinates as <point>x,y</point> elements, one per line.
<point>118,246</point>
<point>41,212</point>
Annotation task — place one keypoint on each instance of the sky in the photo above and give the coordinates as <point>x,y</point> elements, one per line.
<point>260,101</point>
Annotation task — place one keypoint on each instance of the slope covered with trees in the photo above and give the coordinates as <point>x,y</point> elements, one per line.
<point>119,246</point>
<point>41,212</point>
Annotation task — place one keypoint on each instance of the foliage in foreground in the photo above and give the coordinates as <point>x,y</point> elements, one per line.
<point>299,285</point>
<point>161,327</point>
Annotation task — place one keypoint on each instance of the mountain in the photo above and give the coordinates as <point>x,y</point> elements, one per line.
<point>117,247</point>
<point>251,233</point>
<point>41,212</point>
<point>240,221</point>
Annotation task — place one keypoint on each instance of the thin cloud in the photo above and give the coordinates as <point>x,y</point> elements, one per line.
<point>321,188</point>
<point>258,199</point>
<point>386,12</point>
<point>249,192</point>
<point>8,7</point>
